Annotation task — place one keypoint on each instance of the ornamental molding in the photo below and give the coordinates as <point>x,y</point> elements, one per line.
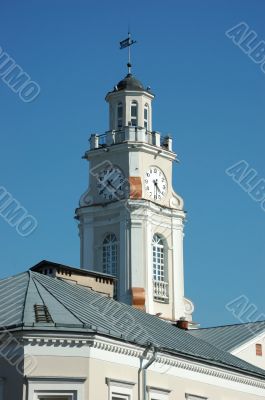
<point>130,350</point>
<point>55,341</point>
<point>179,363</point>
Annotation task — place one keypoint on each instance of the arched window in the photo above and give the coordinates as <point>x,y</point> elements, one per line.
<point>146,116</point>
<point>134,113</point>
<point>119,115</point>
<point>160,284</point>
<point>110,254</point>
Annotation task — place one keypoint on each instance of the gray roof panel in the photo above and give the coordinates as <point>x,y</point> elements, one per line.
<point>229,337</point>
<point>79,309</point>
<point>12,299</point>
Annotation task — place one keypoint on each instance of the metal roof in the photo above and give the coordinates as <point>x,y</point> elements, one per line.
<point>73,308</point>
<point>130,83</point>
<point>229,337</point>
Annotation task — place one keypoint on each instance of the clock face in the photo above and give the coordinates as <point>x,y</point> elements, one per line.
<point>155,183</point>
<point>111,183</point>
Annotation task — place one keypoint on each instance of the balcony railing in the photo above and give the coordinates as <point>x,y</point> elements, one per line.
<point>130,134</point>
<point>160,290</point>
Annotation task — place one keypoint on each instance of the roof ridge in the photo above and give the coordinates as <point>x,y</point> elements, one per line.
<point>25,298</point>
<point>228,325</point>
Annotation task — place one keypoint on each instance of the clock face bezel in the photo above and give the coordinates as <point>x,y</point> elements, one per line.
<point>111,183</point>
<point>155,183</point>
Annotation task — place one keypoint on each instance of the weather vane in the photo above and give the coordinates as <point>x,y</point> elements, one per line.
<point>128,43</point>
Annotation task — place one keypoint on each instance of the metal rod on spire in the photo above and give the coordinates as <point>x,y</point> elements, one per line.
<point>128,43</point>
<point>129,48</point>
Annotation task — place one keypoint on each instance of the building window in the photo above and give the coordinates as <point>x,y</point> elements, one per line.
<point>157,393</point>
<point>119,390</point>
<point>110,254</point>
<point>146,116</point>
<point>194,397</point>
<point>259,349</point>
<point>160,281</point>
<point>134,113</point>
<point>40,388</point>
<point>119,115</point>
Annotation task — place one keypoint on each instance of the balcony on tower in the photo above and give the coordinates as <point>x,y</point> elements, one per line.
<point>130,134</point>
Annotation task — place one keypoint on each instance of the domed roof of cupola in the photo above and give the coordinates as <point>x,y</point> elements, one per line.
<point>130,83</point>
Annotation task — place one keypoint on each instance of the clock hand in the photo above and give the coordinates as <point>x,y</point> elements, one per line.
<point>110,184</point>
<point>158,188</point>
<point>155,184</point>
<point>105,185</point>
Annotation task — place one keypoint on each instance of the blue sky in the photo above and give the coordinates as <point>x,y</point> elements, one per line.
<point>209,95</point>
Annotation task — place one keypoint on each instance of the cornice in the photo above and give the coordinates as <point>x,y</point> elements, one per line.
<point>182,364</point>
<point>139,207</point>
<point>132,146</point>
<point>113,346</point>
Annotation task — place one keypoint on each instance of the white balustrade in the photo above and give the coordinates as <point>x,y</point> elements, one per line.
<point>160,290</point>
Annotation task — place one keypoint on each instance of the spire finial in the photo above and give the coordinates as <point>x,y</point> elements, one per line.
<point>128,43</point>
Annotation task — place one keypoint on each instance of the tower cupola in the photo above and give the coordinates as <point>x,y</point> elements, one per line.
<point>130,105</point>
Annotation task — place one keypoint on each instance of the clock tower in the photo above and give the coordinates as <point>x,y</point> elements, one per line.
<point>130,218</point>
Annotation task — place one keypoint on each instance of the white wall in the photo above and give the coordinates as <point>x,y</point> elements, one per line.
<point>247,351</point>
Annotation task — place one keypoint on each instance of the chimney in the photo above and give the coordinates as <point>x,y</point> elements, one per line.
<point>182,323</point>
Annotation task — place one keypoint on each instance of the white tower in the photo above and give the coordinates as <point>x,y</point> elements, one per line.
<point>130,219</point>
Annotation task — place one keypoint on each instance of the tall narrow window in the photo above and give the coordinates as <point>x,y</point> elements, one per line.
<point>134,113</point>
<point>120,115</point>
<point>110,254</point>
<point>146,116</point>
<point>259,349</point>
<point>160,284</point>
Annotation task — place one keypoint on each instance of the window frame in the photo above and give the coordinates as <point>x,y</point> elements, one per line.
<point>189,396</point>
<point>159,268</point>
<point>54,396</point>
<point>146,120</point>
<point>120,118</point>
<point>155,393</point>
<point>116,387</point>
<point>134,104</point>
<point>112,248</point>
<point>39,387</point>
